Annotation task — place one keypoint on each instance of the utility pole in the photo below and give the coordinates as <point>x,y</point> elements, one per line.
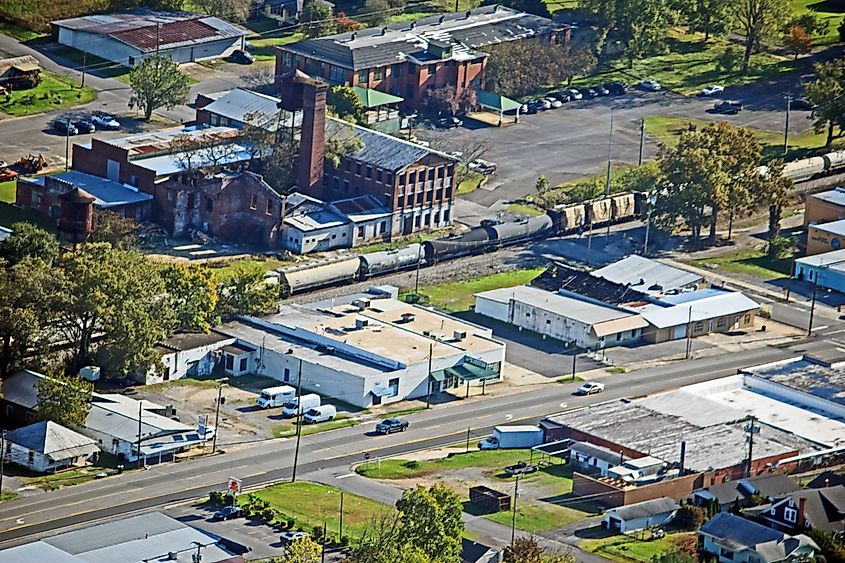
<point>217,414</point>
<point>642,141</point>
<point>341,518</point>
<point>609,166</point>
<point>325,535</point>
<point>750,429</point>
<point>786,125</point>
<point>158,37</point>
<point>428,379</point>
<point>67,143</point>
<point>575,355</point>
<point>590,241</point>
<point>419,260</point>
<point>298,423</point>
<point>812,307</point>
<point>513,506</point>
<point>84,53</point>
<point>140,411</point>
<point>689,332</point>
<point>456,6</point>
<point>2,459</point>
<point>652,199</point>
<point>467,450</point>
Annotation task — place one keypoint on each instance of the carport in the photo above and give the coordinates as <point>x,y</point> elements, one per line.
<point>497,103</point>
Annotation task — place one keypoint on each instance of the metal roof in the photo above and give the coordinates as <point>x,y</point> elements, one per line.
<point>239,103</point>
<point>647,508</point>
<point>157,142</point>
<point>697,306</point>
<point>409,41</point>
<point>643,274</point>
<point>373,98</point>
<point>834,227</point>
<point>119,418</point>
<point>53,440</point>
<point>742,532</point>
<point>361,208</point>
<point>378,149</point>
<point>21,388</point>
<point>833,260</point>
<point>148,31</point>
<point>106,193</point>
<point>17,62</point>
<point>37,551</point>
<point>316,220</point>
<point>807,376</point>
<point>495,101</point>
<point>836,196</point>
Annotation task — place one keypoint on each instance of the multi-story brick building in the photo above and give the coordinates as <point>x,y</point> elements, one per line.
<point>408,59</point>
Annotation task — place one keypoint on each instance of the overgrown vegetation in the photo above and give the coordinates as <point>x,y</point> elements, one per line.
<point>454,297</point>
<point>51,93</point>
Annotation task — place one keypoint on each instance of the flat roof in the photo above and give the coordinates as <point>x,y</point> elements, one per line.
<point>806,375</point>
<point>834,227</point>
<point>156,142</point>
<point>646,275</point>
<point>242,105</point>
<point>836,196</point>
<point>833,260</point>
<point>696,306</point>
<point>107,193</point>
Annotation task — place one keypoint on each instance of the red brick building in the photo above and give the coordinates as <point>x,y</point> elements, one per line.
<point>409,58</point>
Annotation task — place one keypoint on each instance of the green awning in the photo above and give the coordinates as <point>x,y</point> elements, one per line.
<point>439,375</point>
<point>373,98</point>
<point>469,372</point>
<point>496,102</point>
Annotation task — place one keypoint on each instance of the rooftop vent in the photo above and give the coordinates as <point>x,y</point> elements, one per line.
<point>361,323</point>
<point>362,303</point>
<point>459,335</point>
<point>408,317</point>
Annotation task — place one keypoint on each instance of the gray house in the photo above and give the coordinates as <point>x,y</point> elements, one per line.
<point>47,446</point>
<point>640,515</point>
<point>732,539</point>
<point>743,490</point>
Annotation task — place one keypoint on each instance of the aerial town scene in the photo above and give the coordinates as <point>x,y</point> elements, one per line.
<point>422,281</point>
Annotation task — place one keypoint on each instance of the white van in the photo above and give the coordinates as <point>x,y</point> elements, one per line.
<point>322,413</point>
<point>275,396</point>
<point>299,405</point>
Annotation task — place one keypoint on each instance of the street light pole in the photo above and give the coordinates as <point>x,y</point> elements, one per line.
<point>513,514</point>
<point>689,332</point>
<point>341,518</point>
<point>652,199</point>
<point>812,306</point>
<point>298,423</point>
<point>217,414</point>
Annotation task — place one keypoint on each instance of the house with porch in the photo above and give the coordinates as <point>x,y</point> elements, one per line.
<point>733,539</point>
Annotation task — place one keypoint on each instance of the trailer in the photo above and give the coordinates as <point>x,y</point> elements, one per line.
<point>522,436</point>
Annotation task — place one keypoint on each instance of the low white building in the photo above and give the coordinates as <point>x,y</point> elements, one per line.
<point>593,459</point>
<point>574,319</point>
<point>641,515</point>
<point>46,446</point>
<point>649,276</point>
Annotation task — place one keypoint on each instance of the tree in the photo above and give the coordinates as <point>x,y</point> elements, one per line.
<point>520,68</point>
<point>759,20</point>
<point>259,78</point>
<point>345,102</point>
<point>26,309</point>
<point>637,26</point>
<point>316,19</point>
<point>798,41</point>
<point>811,23</point>
<point>430,520</point>
<point>64,399</point>
<point>528,550</point>
<point>841,30</point>
<point>192,295</point>
<point>579,59</point>
<point>827,93</point>
<point>673,557</point>
<point>115,229</point>
<point>830,548</point>
<point>374,12</point>
<point>157,82</point>
<point>344,23</point>
<point>730,59</point>
<point>446,100</point>
<point>772,188</point>
<point>234,10</point>
<point>29,241</point>
<point>303,550</point>
<point>707,16</point>
<point>541,185</point>
<point>247,292</point>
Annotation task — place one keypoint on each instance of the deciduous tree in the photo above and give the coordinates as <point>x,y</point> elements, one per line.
<point>345,102</point>
<point>303,550</point>
<point>430,520</point>
<point>827,93</point>
<point>520,68</point>
<point>374,12</point>
<point>246,291</point>
<point>234,10</point>
<point>344,23</point>
<point>759,20</point>
<point>157,82</point>
<point>29,241</point>
<point>115,229</point>
<point>316,19</point>
<point>707,16</point>
<point>771,188</point>
<point>64,399</point>
<point>637,26</point>
<point>192,295</point>
<point>798,41</point>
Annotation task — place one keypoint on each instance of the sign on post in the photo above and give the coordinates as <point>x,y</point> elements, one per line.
<point>366,455</point>
<point>234,485</point>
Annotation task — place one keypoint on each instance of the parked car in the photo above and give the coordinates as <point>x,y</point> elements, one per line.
<point>554,103</point>
<point>7,174</point>
<point>574,94</point>
<point>560,96</point>
<point>534,106</point>
<point>802,104</point>
<point>588,92</point>
<point>227,513</point>
<point>3,164</point>
<point>292,536</point>
<point>105,121</point>
<point>601,90</point>
<point>651,85</point>
<point>449,122</point>
<point>242,57</point>
<point>391,425</point>
<point>590,388</point>
<point>65,127</point>
<point>728,106</point>
<point>85,126</point>
<point>617,88</point>
<point>712,90</point>
<point>482,166</point>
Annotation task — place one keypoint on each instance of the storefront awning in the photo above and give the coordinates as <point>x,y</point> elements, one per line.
<point>469,372</point>
<point>382,392</point>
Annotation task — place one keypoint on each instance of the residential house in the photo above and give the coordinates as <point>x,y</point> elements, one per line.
<point>127,38</point>
<point>824,237</point>
<point>43,194</point>
<point>824,207</point>
<point>46,446</point>
<point>641,515</point>
<point>743,491</point>
<point>236,108</point>
<point>19,399</point>
<point>826,479</point>
<point>592,459</point>
<point>283,11</point>
<point>817,509</point>
<point>18,73</point>
<point>733,539</point>
<point>195,354</point>
<point>826,270</point>
<point>474,552</point>
<point>649,276</point>
<point>409,58</point>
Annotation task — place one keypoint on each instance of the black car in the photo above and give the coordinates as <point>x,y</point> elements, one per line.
<point>227,513</point>
<point>728,107</point>
<point>85,126</point>
<point>391,425</point>
<point>449,122</point>
<point>535,106</point>
<point>242,57</point>
<point>561,96</point>
<point>601,90</point>
<point>65,127</point>
<point>588,93</point>
<point>802,104</point>
<point>616,88</point>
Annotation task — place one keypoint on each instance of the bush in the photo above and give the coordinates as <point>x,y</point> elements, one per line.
<point>317,532</point>
<point>690,517</point>
<point>730,59</point>
<point>413,464</point>
<point>268,515</point>
<point>780,247</point>
<point>344,541</point>
<point>215,497</point>
<point>291,523</point>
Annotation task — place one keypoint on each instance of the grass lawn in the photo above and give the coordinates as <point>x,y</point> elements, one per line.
<point>405,241</point>
<point>53,92</point>
<point>402,412</point>
<point>525,209</point>
<point>264,48</point>
<point>535,518</point>
<point>22,34</point>
<point>627,548</point>
<point>493,460</point>
<point>555,5</point>
<point>225,269</point>
<point>749,262</point>
<point>454,297</point>
<point>288,430</point>
<point>690,65</point>
<point>667,129</point>
<point>826,12</point>
<point>469,184</point>
<point>7,192</point>
<point>311,503</point>
<point>405,16</point>
<point>8,495</point>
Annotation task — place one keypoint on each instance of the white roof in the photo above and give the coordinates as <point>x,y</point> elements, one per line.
<point>709,306</point>
<point>239,103</point>
<point>643,273</point>
<point>833,260</point>
<point>834,227</point>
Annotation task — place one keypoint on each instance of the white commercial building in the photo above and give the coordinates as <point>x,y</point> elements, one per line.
<point>570,318</point>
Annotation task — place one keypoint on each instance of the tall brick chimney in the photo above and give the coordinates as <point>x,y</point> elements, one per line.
<point>802,513</point>
<point>312,143</point>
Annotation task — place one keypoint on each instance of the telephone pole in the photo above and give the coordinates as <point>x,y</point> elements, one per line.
<point>786,125</point>
<point>609,167</point>
<point>513,514</point>
<point>298,422</point>
<point>642,142</point>
<point>217,414</point>
<point>750,429</point>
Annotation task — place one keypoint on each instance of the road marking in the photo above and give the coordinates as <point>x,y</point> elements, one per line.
<point>254,475</point>
<point>817,328</point>
<point>345,476</point>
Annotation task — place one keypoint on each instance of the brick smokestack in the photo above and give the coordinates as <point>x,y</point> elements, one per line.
<point>312,145</point>
<point>802,513</point>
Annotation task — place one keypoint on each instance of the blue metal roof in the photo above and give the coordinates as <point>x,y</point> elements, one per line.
<point>107,193</point>
<point>693,296</point>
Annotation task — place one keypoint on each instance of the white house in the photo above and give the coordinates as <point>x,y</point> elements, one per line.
<point>640,515</point>
<point>47,446</point>
<point>197,354</point>
<point>732,539</point>
<point>593,459</point>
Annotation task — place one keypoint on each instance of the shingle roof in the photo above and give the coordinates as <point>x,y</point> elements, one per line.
<point>463,31</point>
<point>106,193</point>
<point>378,149</point>
<point>824,508</point>
<point>646,508</point>
<point>21,388</point>
<point>558,277</point>
<point>239,103</point>
<point>767,486</point>
<point>53,440</point>
<point>739,532</point>
<point>826,479</point>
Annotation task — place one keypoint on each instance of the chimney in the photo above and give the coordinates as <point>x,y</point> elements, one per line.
<point>802,507</point>
<point>683,458</point>
<point>312,144</point>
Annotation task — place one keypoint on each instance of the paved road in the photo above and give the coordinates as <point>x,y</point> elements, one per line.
<point>265,462</point>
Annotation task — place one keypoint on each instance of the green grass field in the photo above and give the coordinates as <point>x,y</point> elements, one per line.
<point>225,269</point>
<point>7,192</point>
<point>455,297</point>
<point>489,460</point>
<point>288,430</point>
<point>627,548</point>
<point>469,184</point>
<point>826,12</point>
<point>311,504</point>
<point>750,262</point>
<point>22,34</point>
<point>53,92</point>
<point>525,209</point>
<point>264,48</point>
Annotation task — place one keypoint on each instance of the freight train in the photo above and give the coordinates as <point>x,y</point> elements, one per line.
<point>815,167</point>
<point>489,236</point>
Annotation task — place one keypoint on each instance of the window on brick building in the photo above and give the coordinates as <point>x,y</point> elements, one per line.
<point>288,59</point>
<point>36,199</point>
<point>388,178</point>
<point>431,174</point>
<point>400,201</point>
<point>346,186</point>
<point>347,165</point>
<point>55,211</point>
<point>412,177</point>
<point>401,178</point>
<point>378,175</point>
<point>432,69</point>
<point>396,70</point>
<point>357,168</point>
<point>364,76</point>
<point>446,216</point>
<point>209,204</point>
<point>269,206</point>
<point>369,172</point>
<point>336,75</point>
<point>253,201</point>
<point>378,73</point>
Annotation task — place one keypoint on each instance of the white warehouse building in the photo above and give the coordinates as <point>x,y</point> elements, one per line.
<point>126,38</point>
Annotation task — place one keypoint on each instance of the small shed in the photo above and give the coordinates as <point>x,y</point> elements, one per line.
<point>640,515</point>
<point>489,499</point>
<point>19,73</point>
<point>497,103</point>
<point>46,446</point>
